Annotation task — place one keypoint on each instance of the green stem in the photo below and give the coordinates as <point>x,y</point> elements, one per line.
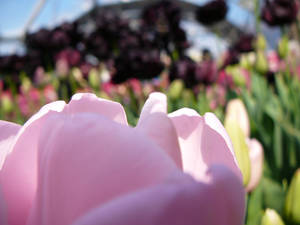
<point>257,17</point>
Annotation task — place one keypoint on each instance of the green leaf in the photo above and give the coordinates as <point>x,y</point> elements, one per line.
<point>292,201</point>
<point>255,206</point>
<point>277,146</point>
<point>273,194</point>
<point>240,148</point>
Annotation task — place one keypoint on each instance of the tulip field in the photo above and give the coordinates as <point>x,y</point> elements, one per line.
<point>119,125</point>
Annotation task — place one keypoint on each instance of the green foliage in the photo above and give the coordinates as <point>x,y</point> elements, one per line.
<point>241,150</point>
<point>273,108</point>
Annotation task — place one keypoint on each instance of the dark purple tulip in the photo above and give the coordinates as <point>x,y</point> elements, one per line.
<point>12,63</point>
<point>72,30</point>
<point>231,57</point>
<point>39,39</point>
<point>33,60</point>
<point>59,39</point>
<point>212,12</point>
<point>71,56</point>
<point>98,46</point>
<point>85,68</point>
<point>245,43</point>
<point>128,40</point>
<point>184,69</point>
<point>109,25</point>
<point>280,12</point>
<point>180,39</point>
<point>5,63</point>
<point>137,63</point>
<point>164,15</point>
<point>206,72</point>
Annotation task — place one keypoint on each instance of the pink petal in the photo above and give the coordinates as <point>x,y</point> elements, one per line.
<point>161,130</point>
<point>157,102</point>
<point>3,217</point>
<point>8,132</point>
<point>256,154</point>
<point>18,176</point>
<point>86,160</point>
<point>177,202</point>
<point>87,102</point>
<point>203,142</point>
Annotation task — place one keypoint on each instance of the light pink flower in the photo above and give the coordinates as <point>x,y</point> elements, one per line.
<point>39,76</point>
<point>80,163</point>
<point>236,111</point>
<point>256,154</point>
<point>274,61</point>
<point>50,94</point>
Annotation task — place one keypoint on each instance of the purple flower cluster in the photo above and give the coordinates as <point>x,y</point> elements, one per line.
<point>280,12</point>
<point>192,73</point>
<point>212,12</point>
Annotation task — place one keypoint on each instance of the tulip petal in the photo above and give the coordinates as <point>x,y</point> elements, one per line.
<point>3,219</point>
<point>256,154</point>
<point>18,176</point>
<point>87,102</point>
<point>157,102</point>
<point>86,160</point>
<point>8,131</point>
<point>161,130</point>
<point>203,142</point>
<point>178,202</point>
<point>236,111</point>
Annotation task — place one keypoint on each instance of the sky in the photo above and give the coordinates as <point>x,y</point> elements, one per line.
<point>15,13</point>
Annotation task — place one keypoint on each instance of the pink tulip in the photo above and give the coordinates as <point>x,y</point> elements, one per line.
<point>236,111</point>
<point>80,163</point>
<point>49,93</point>
<point>274,61</point>
<point>256,154</point>
<point>39,76</point>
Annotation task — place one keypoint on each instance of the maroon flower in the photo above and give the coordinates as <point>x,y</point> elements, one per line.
<point>206,72</point>
<point>280,12</point>
<point>38,40</point>
<point>212,12</point>
<point>245,43</point>
<point>71,56</point>
<point>85,68</point>
<point>59,39</point>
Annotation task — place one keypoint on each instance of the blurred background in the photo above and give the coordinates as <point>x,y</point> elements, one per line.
<point>33,15</point>
<point>203,54</point>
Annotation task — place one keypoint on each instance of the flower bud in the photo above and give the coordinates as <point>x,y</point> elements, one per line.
<point>261,42</point>
<point>271,217</point>
<point>244,62</point>
<point>175,89</point>
<point>187,96</point>
<point>237,75</point>
<point>7,102</point>
<point>292,200</point>
<point>94,78</point>
<point>256,154</point>
<point>236,111</point>
<point>240,147</point>
<point>283,47</point>
<point>25,84</point>
<point>261,64</point>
